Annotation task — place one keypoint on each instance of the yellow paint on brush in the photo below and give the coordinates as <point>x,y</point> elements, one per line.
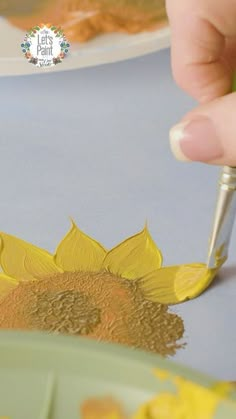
<point>190,401</point>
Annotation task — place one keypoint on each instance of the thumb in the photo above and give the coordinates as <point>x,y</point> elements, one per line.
<point>208,133</point>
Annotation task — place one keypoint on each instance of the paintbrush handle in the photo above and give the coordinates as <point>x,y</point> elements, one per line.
<point>225,212</point>
<point>224,217</point>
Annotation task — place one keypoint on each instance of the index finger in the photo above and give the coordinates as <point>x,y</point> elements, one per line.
<point>201,31</point>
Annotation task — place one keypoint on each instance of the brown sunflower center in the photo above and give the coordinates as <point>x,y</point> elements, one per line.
<point>100,305</point>
<point>63,312</point>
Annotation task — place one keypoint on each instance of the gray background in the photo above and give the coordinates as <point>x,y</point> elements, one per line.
<point>93,144</point>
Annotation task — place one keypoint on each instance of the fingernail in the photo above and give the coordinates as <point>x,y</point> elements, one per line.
<point>195,140</point>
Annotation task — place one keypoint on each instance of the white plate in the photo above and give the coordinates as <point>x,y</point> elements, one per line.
<point>101,50</point>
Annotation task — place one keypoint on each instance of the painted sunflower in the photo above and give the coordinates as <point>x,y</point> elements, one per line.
<point>83,289</point>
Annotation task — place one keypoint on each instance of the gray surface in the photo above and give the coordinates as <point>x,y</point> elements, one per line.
<point>93,144</point>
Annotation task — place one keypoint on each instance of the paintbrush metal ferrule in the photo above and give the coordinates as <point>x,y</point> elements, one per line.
<point>224,218</point>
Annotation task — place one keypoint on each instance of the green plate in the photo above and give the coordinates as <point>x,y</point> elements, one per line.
<point>47,377</point>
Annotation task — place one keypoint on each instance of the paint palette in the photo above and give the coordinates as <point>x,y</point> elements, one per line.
<point>103,49</point>
<point>48,377</point>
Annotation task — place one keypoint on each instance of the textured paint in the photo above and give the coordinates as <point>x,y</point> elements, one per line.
<point>100,306</point>
<point>86,290</point>
<point>137,259</point>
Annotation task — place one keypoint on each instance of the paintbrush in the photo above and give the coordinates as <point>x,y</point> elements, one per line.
<point>224,217</point>
<point>175,284</point>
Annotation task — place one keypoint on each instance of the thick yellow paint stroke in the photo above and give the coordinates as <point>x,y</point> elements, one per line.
<point>134,257</point>
<point>192,279</point>
<point>174,284</point>
<point>78,252</point>
<point>23,261</point>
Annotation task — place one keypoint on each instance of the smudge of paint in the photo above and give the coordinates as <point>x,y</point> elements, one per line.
<point>190,400</point>
<point>86,290</point>
<point>84,19</point>
<point>104,408</point>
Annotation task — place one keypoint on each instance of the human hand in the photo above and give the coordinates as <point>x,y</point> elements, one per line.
<point>203,50</point>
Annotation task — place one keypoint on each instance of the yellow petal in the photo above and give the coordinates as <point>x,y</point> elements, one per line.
<point>23,261</point>
<point>191,280</point>
<point>135,257</point>
<point>174,284</point>
<point>79,252</point>
<point>158,286</point>
<point>7,284</point>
